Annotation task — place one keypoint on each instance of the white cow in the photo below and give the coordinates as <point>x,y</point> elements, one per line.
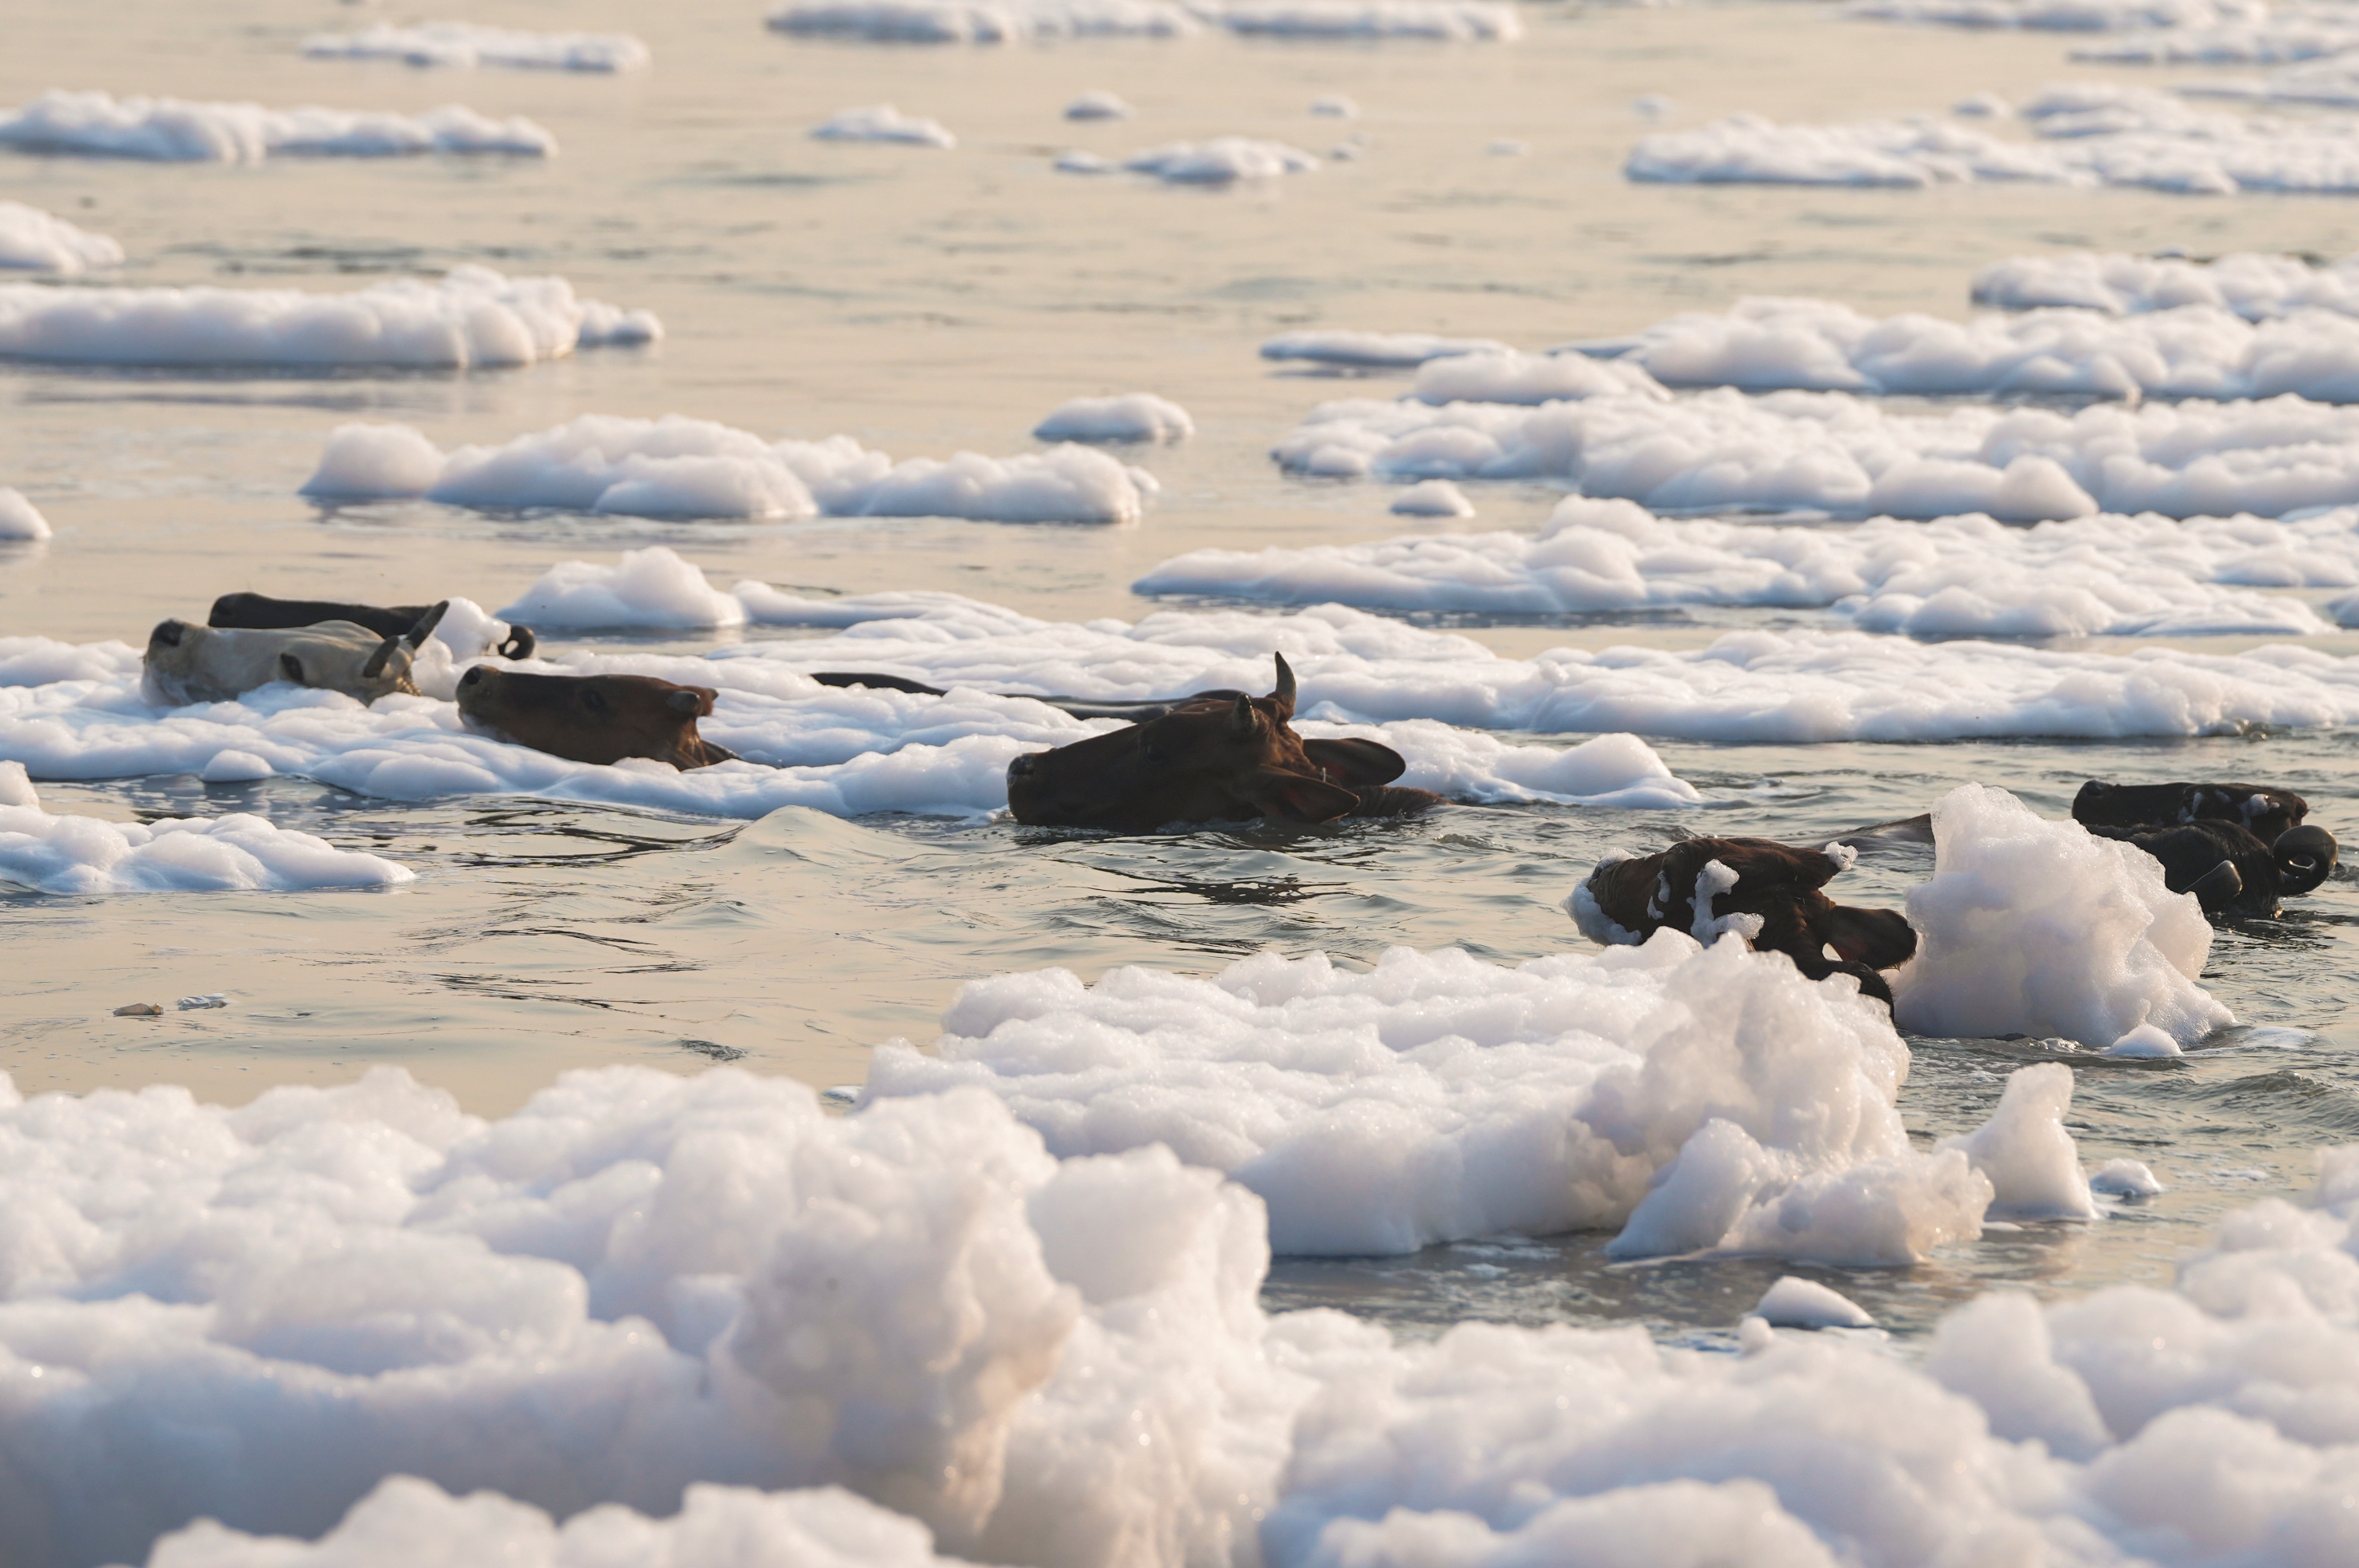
<point>190,663</point>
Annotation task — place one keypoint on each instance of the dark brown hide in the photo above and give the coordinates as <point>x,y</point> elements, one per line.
<point>591,718</point>
<point>259,611</point>
<point>1777,882</point>
<point>2229,869</point>
<point>2264,812</point>
<point>1227,758</point>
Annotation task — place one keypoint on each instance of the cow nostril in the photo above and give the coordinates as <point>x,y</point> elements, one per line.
<point>474,676</point>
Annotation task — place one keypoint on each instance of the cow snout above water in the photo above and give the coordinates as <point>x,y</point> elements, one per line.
<point>1217,759</point>
<point>591,718</point>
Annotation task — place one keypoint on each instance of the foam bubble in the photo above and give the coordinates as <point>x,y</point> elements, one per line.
<point>20,518</point>
<point>1427,498</point>
<point>1222,160</point>
<point>1457,21</point>
<point>1796,1302</point>
<point>465,45</point>
<point>176,130</point>
<point>1370,351</point>
<point>645,588</point>
<point>982,21</point>
<point>1098,104</point>
<point>1132,417</point>
<point>882,122</point>
<point>2256,287</point>
<point>37,241</point>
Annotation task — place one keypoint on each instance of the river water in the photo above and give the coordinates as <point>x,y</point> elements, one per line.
<point>928,303</point>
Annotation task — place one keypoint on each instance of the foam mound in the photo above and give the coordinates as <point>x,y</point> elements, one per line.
<point>982,21</point>
<point>678,467</point>
<point>2065,15</point>
<point>465,45</point>
<point>651,588</point>
<point>1848,456</point>
<point>2187,351</point>
<point>2032,927</point>
<point>1954,577</point>
<point>1132,417</point>
<point>34,241</point>
<point>178,854</point>
<point>2257,287</point>
<point>1338,350</point>
<point>1455,21</point>
<point>175,130</point>
<point>2334,80</point>
<point>1097,103</point>
<point>1224,160</point>
<point>1530,379</point>
<point>882,122</point>
<point>20,521</point>
<point>472,318</point>
<point>2292,32</point>
<point>1649,1091</point>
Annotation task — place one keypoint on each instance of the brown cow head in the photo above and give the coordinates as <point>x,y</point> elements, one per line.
<point>591,718</point>
<point>1209,759</point>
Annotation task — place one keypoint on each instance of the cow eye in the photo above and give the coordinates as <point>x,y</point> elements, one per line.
<point>592,700</point>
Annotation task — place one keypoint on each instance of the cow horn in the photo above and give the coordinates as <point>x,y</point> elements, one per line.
<point>2304,856</point>
<point>377,660</point>
<point>425,624</point>
<point>1284,693</point>
<point>1243,720</point>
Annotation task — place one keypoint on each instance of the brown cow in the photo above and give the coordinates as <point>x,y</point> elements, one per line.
<point>591,718</point>
<point>2264,811</point>
<point>1210,759</point>
<point>1767,892</point>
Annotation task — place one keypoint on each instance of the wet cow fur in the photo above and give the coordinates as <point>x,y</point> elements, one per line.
<point>591,718</point>
<point>187,663</point>
<point>259,611</point>
<point>2262,810</point>
<point>1768,892</point>
<point>1217,759</point>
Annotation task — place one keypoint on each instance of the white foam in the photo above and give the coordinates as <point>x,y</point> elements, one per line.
<point>1796,1302</point>
<point>176,130</point>
<point>2255,286</point>
<point>20,521</point>
<point>1528,378</point>
<point>2134,17</point>
<point>983,21</point>
<point>1372,351</point>
<point>1334,106</point>
<point>1953,577</point>
<point>1097,103</point>
<point>2332,81</point>
<point>882,122</point>
<point>1220,162</point>
<point>2288,33</point>
<point>1440,1097</point>
<point>1132,417</point>
<point>1850,456</point>
<point>2034,1170</point>
<point>2126,1179</point>
<point>472,318</point>
<point>2032,927</point>
<point>37,241</point>
<point>466,45</point>
<point>1457,21</point>
<point>176,855</point>
<point>678,467</point>
<point>2187,351</point>
<point>1426,498</point>
<point>646,588</point>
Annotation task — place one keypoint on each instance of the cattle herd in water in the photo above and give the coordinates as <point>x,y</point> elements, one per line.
<point>1225,755</point>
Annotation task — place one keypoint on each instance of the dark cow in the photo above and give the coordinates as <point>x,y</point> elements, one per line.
<point>1767,892</point>
<point>259,611</point>
<point>2228,868</point>
<point>1136,712</point>
<point>209,664</point>
<point>2261,810</point>
<point>1209,759</point>
<point>591,718</point>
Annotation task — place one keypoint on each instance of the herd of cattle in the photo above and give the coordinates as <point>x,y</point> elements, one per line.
<point>1224,756</point>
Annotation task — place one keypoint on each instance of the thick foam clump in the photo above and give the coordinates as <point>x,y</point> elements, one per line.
<point>2032,927</point>
<point>1852,456</point>
<point>2296,32</point>
<point>982,21</point>
<point>1459,21</point>
<point>35,240</point>
<point>176,130</point>
<point>1528,378</point>
<point>2187,351</point>
<point>883,123</point>
<point>466,45</point>
<point>1426,498</point>
<point>1097,103</point>
<point>648,588</point>
<point>2137,17</point>
<point>20,521</point>
<point>472,318</point>
<point>678,467</point>
<point>1131,416</point>
<point>1795,1302</point>
<point>178,854</point>
<point>1341,350</point>
<point>1224,160</point>
<point>1652,1090</point>
<point>1954,577</point>
<point>2257,287</point>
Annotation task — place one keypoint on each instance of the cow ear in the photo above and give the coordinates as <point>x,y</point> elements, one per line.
<point>1299,798</point>
<point>1881,939</point>
<point>1356,761</point>
<point>291,668</point>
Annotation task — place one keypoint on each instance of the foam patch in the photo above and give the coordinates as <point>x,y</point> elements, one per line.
<point>464,46</point>
<point>175,130</point>
<point>35,240</point>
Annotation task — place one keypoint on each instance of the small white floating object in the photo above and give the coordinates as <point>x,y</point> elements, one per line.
<point>35,240</point>
<point>19,519</point>
<point>1651,106</point>
<point>1432,498</point>
<point>883,123</point>
<point>2144,1041</point>
<point>2126,1179</point>
<point>210,999</point>
<point>235,768</point>
<point>1335,107</point>
<point>1132,417</point>
<point>1796,1302</point>
<point>1509,147</point>
<point>1982,107</point>
<point>1098,104</point>
<point>1079,162</point>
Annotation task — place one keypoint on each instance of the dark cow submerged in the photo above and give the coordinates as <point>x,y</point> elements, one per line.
<point>259,611</point>
<point>593,718</point>
<point>2239,848</point>
<point>1767,892</point>
<point>1211,758</point>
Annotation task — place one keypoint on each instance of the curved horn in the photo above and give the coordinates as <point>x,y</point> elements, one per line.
<point>1284,692</point>
<point>1243,720</point>
<point>2304,856</point>
<point>426,624</point>
<point>376,661</point>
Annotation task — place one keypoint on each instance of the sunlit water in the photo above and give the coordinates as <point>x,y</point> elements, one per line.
<point>926,303</point>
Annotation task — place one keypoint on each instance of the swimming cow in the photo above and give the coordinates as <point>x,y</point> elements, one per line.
<point>593,718</point>
<point>187,663</point>
<point>259,611</point>
<point>1218,758</point>
<point>2239,848</point>
<point>1767,893</point>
